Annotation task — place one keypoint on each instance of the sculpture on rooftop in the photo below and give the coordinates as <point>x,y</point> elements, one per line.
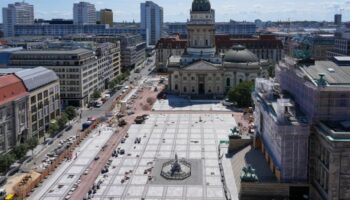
<point>235,133</point>
<point>248,174</point>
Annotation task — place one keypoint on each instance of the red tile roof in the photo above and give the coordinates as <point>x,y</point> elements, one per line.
<point>262,42</point>
<point>11,88</point>
<point>225,41</point>
<point>172,43</point>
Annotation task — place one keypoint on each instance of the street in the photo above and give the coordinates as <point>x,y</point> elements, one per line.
<point>41,150</point>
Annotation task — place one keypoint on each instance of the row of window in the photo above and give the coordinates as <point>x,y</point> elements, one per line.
<point>193,89</point>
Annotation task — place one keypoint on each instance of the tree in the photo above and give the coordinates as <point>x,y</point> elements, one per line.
<point>6,161</point>
<point>241,95</point>
<point>53,128</point>
<point>32,143</point>
<point>62,121</point>
<point>20,150</point>
<point>96,94</point>
<point>70,112</point>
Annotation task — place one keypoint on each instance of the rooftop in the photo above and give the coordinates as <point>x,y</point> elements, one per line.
<point>279,105</point>
<point>11,88</point>
<point>334,75</point>
<point>36,77</point>
<point>335,130</point>
<point>53,52</point>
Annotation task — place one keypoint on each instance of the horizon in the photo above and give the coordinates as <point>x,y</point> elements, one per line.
<point>226,10</point>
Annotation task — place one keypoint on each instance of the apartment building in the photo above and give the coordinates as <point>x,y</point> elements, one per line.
<point>152,21</point>
<point>106,17</point>
<point>84,13</point>
<point>108,61</point>
<point>19,13</point>
<point>13,112</point>
<point>77,70</point>
<point>131,48</point>
<point>133,51</point>
<point>115,50</point>
<point>44,103</point>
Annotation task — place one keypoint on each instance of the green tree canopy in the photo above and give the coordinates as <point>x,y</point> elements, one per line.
<point>53,128</point>
<point>241,94</point>
<point>62,121</point>
<point>71,113</point>
<point>6,161</point>
<point>20,150</point>
<point>32,142</point>
<point>96,94</point>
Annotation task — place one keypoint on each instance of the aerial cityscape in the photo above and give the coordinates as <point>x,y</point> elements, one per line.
<point>145,100</point>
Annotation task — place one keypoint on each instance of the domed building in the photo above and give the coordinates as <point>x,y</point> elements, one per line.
<point>201,71</point>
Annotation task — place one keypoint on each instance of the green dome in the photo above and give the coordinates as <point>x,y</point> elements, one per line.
<point>239,54</point>
<point>201,5</point>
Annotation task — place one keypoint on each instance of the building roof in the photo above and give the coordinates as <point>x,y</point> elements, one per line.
<point>335,131</point>
<point>4,71</point>
<point>333,73</point>
<point>201,5</point>
<point>36,77</point>
<point>11,88</point>
<point>263,41</point>
<point>225,42</point>
<point>172,43</point>
<point>201,65</point>
<point>54,52</point>
<point>10,49</point>
<point>239,54</point>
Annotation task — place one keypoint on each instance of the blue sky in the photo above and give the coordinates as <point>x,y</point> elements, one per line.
<point>178,10</point>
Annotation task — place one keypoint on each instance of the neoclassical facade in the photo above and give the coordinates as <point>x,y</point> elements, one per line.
<point>201,70</point>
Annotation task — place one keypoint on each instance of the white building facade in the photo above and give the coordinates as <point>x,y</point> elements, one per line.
<point>152,21</point>
<point>19,13</point>
<point>84,13</point>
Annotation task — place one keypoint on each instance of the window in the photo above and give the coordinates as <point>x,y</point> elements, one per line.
<point>40,96</point>
<point>192,78</point>
<point>176,87</point>
<point>228,82</point>
<point>185,89</point>
<point>33,99</point>
<point>46,93</point>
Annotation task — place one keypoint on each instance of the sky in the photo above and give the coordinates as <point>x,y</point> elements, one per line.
<point>178,10</point>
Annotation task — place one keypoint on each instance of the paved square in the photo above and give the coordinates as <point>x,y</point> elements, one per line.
<point>194,136</point>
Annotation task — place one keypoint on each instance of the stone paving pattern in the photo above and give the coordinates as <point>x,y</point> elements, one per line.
<point>191,136</point>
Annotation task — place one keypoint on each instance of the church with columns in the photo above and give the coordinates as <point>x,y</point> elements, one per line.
<point>201,70</point>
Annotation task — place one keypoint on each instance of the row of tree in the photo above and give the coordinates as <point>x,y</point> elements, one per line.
<point>18,152</point>
<point>68,114</point>
<point>119,79</point>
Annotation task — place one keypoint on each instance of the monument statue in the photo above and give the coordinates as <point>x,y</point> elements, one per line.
<point>176,169</point>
